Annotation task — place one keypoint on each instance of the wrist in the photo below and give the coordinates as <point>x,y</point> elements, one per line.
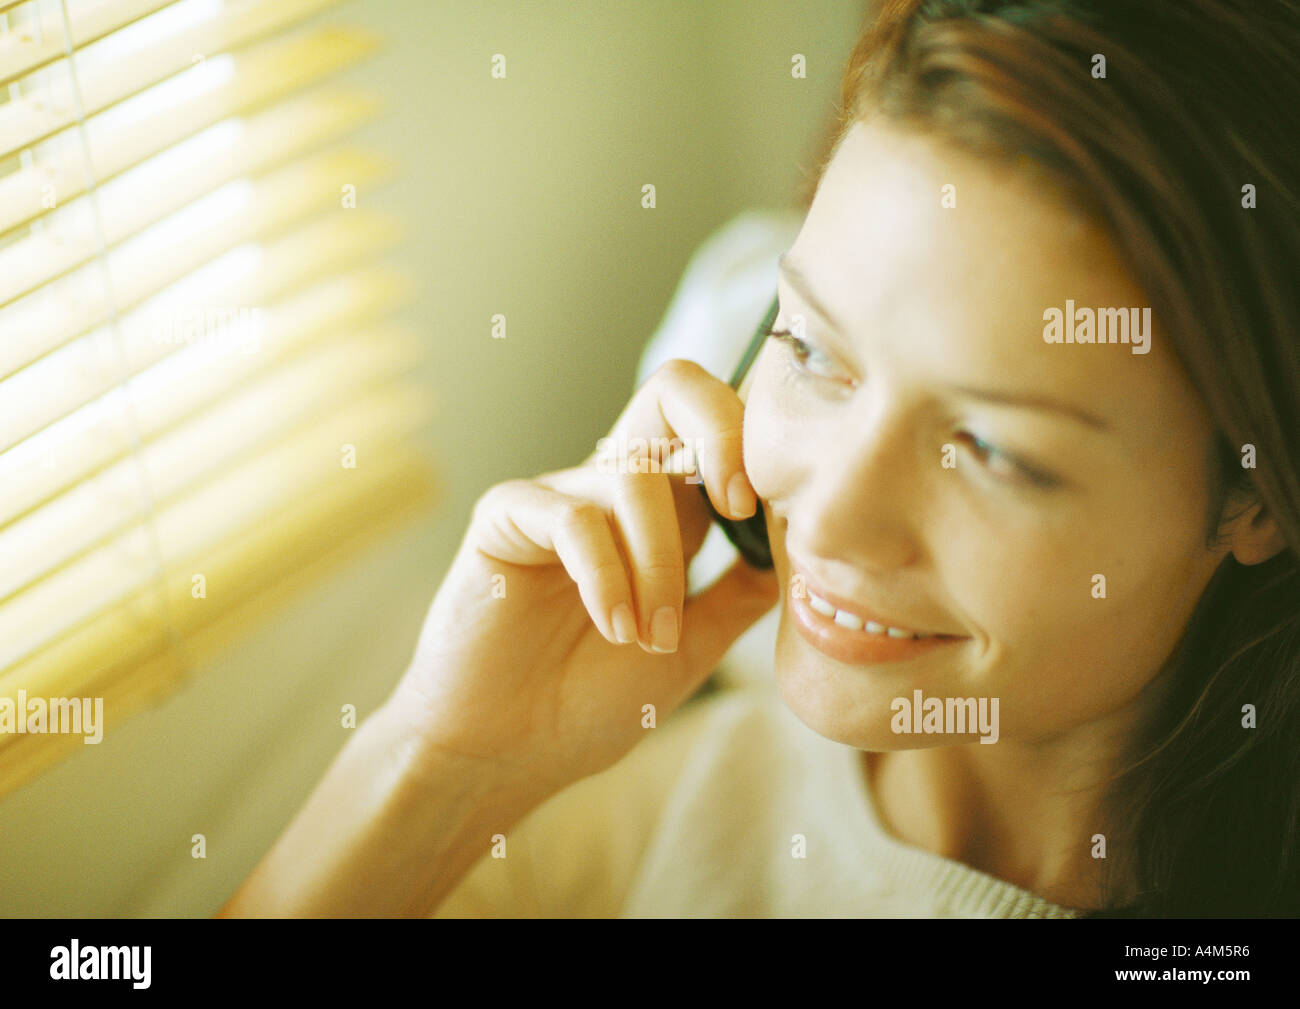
<point>454,803</point>
<point>390,830</point>
<point>425,761</point>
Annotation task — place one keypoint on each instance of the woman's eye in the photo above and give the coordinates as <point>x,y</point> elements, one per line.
<point>804,360</point>
<point>1003,465</point>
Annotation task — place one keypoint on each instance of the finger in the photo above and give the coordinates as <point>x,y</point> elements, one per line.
<point>522,522</point>
<point>693,518</point>
<point>646,516</point>
<point>682,405</point>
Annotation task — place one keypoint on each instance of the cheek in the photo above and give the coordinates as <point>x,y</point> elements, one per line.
<point>1081,619</point>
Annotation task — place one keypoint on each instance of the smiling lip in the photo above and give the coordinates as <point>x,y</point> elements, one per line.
<point>856,647</point>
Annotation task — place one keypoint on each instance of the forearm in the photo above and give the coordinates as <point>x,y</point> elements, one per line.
<point>389,831</point>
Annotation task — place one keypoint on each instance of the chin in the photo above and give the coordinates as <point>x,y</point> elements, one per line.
<point>842,703</point>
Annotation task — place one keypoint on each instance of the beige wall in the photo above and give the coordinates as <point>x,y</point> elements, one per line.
<point>522,197</point>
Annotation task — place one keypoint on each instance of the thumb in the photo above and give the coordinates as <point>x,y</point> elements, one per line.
<point>717,616</point>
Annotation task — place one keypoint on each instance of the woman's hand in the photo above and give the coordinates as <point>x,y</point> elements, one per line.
<point>518,664</point>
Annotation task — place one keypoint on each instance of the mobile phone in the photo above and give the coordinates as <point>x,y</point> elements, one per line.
<point>749,536</point>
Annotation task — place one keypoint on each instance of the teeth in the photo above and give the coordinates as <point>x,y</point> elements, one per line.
<point>821,605</point>
<point>853,623</point>
<point>848,620</point>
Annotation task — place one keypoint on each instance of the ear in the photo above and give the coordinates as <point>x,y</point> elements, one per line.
<point>1253,536</point>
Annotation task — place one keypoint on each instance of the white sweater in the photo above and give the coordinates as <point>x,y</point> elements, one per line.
<point>730,808</point>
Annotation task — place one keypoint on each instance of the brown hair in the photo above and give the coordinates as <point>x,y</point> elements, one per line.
<point>1199,99</point>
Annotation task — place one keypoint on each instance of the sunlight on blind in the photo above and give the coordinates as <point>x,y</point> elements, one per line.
<point>202,405</point>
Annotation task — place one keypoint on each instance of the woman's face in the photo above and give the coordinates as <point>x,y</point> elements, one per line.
<point>931,460</point>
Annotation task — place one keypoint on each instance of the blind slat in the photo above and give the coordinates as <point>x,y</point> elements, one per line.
<point>74,238</point>
<point>52,105</point>
<point>23,51</point>
<point>201,519</point>
<point>130,665</point>
<point>88,368</point>
<point>58,174</point>
<point>189,350</point>
<point>99,433</point>
<point>56,313</point>
<point>96,508</point>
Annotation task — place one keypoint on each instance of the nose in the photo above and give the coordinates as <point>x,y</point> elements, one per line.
<point>858,497</point>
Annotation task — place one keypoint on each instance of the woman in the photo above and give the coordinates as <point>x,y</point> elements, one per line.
<point>978,488</point>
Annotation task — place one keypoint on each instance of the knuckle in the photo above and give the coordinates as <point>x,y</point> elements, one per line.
<point>486,501</point>
<point>728,438</point>
<point>661,570</point>
<point>608,573</point>
<point>730,430</point>
<point>580,516</point>
<point>497,494</point>
<point>677,369</point>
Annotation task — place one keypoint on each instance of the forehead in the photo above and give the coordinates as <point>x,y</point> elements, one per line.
<point>941,264</point>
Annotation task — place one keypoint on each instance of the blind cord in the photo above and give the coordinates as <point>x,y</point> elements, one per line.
<point>119,346</point>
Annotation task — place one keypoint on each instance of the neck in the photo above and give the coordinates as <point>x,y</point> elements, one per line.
<point>1028,813</point>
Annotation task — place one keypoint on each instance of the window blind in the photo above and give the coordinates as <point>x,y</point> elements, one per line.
<point>204,400</point>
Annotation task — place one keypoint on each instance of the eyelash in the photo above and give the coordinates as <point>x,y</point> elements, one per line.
<point>1023,473</point>
<point>799,349</point>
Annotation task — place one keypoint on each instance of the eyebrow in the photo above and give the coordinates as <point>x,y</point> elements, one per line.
<point>797,279</point>
<point>1033,402</point>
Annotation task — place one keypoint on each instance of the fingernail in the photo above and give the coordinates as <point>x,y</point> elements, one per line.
<point>663,630</point>
<point>624,624</point>
<point>739,496</point>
